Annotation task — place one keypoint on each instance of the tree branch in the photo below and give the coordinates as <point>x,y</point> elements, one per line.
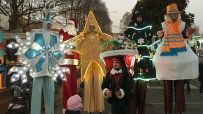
<point>3,9</point>
<point>20,3</point>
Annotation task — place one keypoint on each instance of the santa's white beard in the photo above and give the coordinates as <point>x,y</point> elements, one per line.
<point>70,29</point>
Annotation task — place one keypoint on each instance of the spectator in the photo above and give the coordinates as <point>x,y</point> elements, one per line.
<point>187,82</point>
<point>116,87</point>
<point>74,105</point>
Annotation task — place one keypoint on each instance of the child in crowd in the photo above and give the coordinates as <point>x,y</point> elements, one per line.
<point>74,105</point>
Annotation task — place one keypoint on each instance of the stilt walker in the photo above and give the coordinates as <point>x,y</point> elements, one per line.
<point>41,55</point>
<point>174,59</point>
<point>92,68</point>
<point>140,31</point>
<point>70,61</point>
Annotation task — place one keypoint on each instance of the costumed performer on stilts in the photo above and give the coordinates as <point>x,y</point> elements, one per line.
<point>174,60</point>
<point>70,61</point>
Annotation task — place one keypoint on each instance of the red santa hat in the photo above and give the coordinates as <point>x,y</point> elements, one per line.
<point>73,21</point>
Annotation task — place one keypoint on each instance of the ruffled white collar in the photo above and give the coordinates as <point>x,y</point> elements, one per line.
<point>113,71</point>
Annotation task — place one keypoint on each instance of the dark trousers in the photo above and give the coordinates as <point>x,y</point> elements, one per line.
<point>201,87</point>
<point>139,97</point>
<point>179,96</point>
<point>187,82</point>
<point>120,109</point>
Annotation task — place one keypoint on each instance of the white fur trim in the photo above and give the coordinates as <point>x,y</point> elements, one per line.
<point>70,21</point>
<point>118,52</point>
<point>113,71</point>
<point>122,94</point>
<point>104,92</point>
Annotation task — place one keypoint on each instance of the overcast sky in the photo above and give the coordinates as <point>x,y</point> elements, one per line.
<point>118,8</point>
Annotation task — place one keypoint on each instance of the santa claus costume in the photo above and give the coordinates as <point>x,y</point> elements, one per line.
<point>70,61</point>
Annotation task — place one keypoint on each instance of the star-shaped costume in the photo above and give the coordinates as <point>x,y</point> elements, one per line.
<point>92,68</point>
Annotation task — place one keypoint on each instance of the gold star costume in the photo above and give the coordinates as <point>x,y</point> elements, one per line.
<point>92,68</point>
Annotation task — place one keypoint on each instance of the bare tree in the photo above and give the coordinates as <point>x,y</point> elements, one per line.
<point>16,9</point>
<point>79,10</point>
<point>125,21</point>
<point>102,15</point>
<point>72,8</point>
<point>23,13</point>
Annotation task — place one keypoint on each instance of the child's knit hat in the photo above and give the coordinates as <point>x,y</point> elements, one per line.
<point>74,103</point>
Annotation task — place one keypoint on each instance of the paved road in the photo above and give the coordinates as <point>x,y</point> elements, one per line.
<point>154,103</point>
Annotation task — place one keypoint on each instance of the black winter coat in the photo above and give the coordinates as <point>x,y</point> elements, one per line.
<point>72,112</point>
<point>126,83</point>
